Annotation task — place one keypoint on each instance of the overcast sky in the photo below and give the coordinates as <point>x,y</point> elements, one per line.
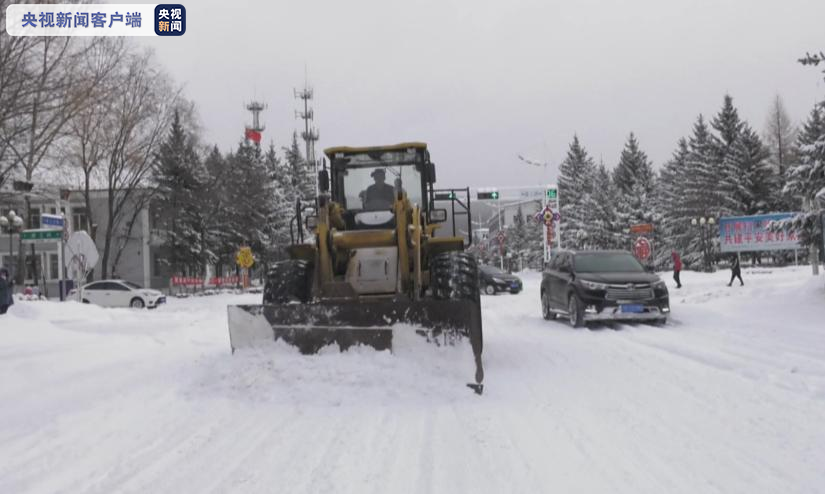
<point>484,81</point>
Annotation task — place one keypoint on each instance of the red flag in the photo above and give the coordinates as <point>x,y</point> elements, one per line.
<point>253,135</point>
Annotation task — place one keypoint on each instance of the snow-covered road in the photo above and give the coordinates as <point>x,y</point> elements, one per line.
<point>728,397</point>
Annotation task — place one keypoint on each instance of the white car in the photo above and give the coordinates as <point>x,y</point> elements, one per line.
<point>119,293</point>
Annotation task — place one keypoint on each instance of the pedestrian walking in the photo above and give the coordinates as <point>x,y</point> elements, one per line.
<point>677,268</point>
<point>6,290</point>
<point>735,271</point>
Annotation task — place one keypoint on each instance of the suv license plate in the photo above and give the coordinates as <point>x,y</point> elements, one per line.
<point>633,308</point>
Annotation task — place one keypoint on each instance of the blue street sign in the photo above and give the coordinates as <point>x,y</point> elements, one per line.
<point>51,221</point>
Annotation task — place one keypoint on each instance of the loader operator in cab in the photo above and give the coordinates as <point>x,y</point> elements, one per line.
<point>379,195</point>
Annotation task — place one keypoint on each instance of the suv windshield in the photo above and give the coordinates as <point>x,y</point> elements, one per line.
<point>371,188</point>
<point>606,263</point>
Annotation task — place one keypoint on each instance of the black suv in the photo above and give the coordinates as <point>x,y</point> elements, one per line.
<point>492,280</point>
<point>600,285</point>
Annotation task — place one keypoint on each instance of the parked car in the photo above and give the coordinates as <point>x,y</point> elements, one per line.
<point>492,280</point>
<point>118,293</point>
<point>602,285</point>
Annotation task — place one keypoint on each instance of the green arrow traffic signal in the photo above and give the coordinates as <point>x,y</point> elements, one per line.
<point>552,193</point>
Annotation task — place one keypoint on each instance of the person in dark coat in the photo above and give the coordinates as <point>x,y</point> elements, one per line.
<point>677,268</point>
<point>735,271</point>
<point>379,195</point>
<point>6,291</point>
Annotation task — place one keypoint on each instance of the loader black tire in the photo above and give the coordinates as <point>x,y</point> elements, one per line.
<point>288,281</point>
<point>454,276</point>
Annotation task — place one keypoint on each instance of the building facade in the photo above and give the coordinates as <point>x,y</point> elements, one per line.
<point>135,250</point>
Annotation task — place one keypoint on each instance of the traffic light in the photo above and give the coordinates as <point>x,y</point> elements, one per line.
<point>552,193</point>
<point>490,194</point>
<point>444,196</point>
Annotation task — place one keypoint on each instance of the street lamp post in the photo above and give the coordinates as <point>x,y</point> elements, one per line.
<point>705,225</point>
<point>11,223</point>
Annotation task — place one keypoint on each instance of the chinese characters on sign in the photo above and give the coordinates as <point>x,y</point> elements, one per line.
<point>751,233</point>
<point>170,20</point>
<point>81,19</point>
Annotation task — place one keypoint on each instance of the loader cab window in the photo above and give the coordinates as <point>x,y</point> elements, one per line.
<point>373,188</point>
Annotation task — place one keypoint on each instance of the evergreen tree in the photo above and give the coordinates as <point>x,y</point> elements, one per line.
<point>670,201</point>
<point>217,227</point>
<point>177,175</point>
<point>255,197</point>
<point>633,168</point>
<point>806,179</point>
<point>750,190</point>
<point>633,178</point>
<point>298,172</point>
<point>578,206</point>
<point>283,206</point>
<point>728,124</point>
<point>605,228</point>
<point>728,177</point>
<point>702,196</point>
<point>524,240</point>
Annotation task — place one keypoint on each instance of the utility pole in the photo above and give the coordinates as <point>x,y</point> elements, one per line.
<point>310,134</point>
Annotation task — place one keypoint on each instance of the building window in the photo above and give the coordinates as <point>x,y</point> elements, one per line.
<point>54,267</point>
<point>80,221</point>
<point>31,267</point>
<point>34,218</point>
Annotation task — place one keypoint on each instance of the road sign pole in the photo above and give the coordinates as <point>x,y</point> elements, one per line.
<point>544,247</point>
<point>59,266</point>
<point>501,249</point>
<point>558,230</point>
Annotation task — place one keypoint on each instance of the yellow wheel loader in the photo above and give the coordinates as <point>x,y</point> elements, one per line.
<point>373,262</point>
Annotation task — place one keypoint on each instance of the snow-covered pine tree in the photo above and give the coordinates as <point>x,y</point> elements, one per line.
<point>605,229</point>
<point>577,204</point>
<point>177,176</point>
<point>727,123</point>
<point>752,190</point>
<point>702,195</point>
<point>253,197</point>
<point>633,168</point>
<point>282,207</point>
<point>728,178</point>
<point>806,179</point>
<point>744,177</point>
<point>524,241</point>
<point>633,177</point>
<point>214,204</point>
<point>299,173</point>
<point>674,231</point>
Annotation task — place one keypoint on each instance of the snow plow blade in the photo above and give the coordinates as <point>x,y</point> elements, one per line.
<point>310,327</point>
